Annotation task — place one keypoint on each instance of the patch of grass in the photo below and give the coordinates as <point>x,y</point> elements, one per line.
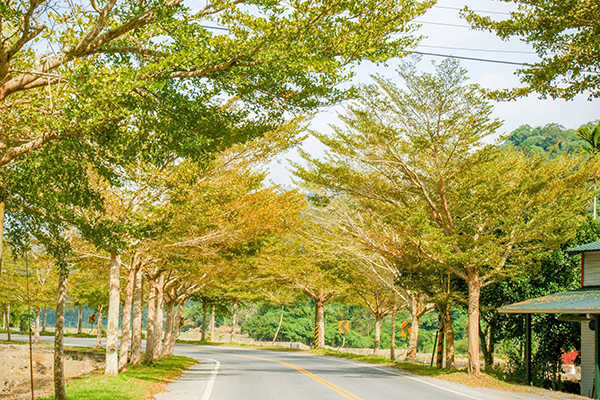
<point>138,383</point>
<point>457,376</point>
<point>200,342</point>
<point>352,356</point>
<point>236,344</point>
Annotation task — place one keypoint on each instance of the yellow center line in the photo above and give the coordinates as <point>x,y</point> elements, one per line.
<point>317,378</point>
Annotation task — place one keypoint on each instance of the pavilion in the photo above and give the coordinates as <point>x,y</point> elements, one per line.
<point>582,305</point>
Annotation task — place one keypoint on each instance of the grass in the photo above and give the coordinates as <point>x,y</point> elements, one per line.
<point>138,383</point>
<point>50,333</point>
<point>452,375</point>
<point>236,344</point>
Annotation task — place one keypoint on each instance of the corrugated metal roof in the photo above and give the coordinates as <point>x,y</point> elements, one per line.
<point>582,301</point>
<point>594,246</point>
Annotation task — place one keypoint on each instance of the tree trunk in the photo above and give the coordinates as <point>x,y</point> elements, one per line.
<point>99,328</point>
<point>176,326</point>
<point>473,324</point>
<point>377,341</point>
<point>234,320</point>
<point>416,312</point>
<point>449,333</point>
<point>278,326</point>
<point>60,391</point>
<point>212,323</point>
<point>136,329</point>
<point>169,327</point>
<point>44,319</point>
<point>393,335</point>
<point>112,329</point>
<point>36,325</point>
<point>150,324</point>
<point>2,207</point>
<point>203,334</point>
<point>7,318</point>
<point>80,320</point>
<point>126,317</point>
<point>158,326</point>
<point>320,323</point>
<point>488,342</point>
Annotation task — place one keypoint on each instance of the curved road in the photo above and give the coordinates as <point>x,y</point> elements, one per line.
<point>231,373</point>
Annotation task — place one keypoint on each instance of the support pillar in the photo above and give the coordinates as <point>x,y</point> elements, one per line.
<point>597,356</point>
<point>528,349</point>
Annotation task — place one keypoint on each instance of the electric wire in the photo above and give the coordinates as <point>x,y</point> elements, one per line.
<point>466,58</point>
<point>480,50</point>
<point>479,11</point>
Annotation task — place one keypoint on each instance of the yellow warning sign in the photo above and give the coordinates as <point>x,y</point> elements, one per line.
<point>405,331</point>
<point>344,326</point>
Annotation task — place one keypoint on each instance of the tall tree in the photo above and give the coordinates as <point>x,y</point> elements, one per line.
<point>415,155</point>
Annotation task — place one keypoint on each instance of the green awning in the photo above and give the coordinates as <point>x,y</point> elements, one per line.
<point>582,301</point>
<point>594,246</point>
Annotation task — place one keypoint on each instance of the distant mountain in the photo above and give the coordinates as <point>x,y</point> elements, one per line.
<point>552,139</point>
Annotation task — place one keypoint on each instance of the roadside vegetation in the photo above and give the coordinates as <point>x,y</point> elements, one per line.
<point>139,382</point>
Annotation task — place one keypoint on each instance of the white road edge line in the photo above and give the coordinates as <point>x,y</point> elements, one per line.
<point>406,376</point>
<point>211,380</point>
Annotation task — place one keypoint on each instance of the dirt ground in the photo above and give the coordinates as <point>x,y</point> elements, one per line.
<point>15,375</point>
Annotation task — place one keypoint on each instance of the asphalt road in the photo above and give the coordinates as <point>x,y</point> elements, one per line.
<point>231,373</point>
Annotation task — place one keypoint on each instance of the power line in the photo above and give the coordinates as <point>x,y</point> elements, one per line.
<point>480,11</point>
<point>482,50</point>
<point>442,24</point>
<point>466,58</point>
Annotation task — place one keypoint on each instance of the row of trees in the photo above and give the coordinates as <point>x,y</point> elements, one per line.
<point>133,135</point>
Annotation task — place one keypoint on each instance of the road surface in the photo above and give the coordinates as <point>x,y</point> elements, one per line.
<point>231,373</point>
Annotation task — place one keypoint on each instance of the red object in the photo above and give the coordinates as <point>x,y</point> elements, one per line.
<point>569,358</point>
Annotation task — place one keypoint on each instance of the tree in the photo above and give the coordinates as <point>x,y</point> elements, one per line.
<point>273,56</point>
<point>565,37</point>
<point>591,135</point>
<point>415,157</point>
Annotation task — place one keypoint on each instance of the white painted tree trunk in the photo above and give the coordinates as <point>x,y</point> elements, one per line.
<point>158,327</point>
<point>112,329</point>
<point>136,328</point>
<point>416,310</point>
<point>126,317</point>
<point>149,355</point>
<point>320,322</point>
<point>169,327</point>
<point>377,341</point>
<point>234,320</point>
<point>44,319</point>
<point>212,324</point>
<point>203,333</point>
<point>99,328</point>
<point>60,390</point>
<point>393,334</point>
<point>7,319</point>
<point>80,319</point>
<point>176,325</point>
<point>36,325</point>
<point>278,326</point>
<point>473,365</point>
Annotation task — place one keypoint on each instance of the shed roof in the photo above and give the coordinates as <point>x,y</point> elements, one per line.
<point>594,246</point>
<point>581,301</point>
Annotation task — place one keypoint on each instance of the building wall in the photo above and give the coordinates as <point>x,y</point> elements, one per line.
<point>591,268</point>
<point>587,359</point>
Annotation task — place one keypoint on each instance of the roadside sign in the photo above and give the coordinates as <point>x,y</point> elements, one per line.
<point>405,331</point>
<point>92,318</point>
<point>344,326</point>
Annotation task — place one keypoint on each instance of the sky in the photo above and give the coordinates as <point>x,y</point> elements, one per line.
<point>443,28</point>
